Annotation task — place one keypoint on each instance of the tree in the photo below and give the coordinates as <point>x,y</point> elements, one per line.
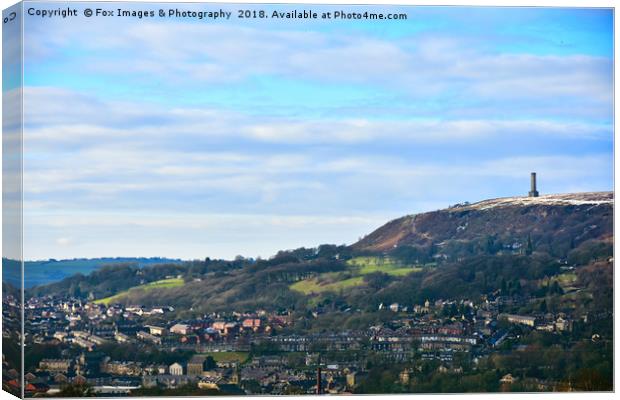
<point>589,379</point>
<point>77,390</point>
<point>377,280</point>
<point>555,288</point>
<point>210,363</point>
<point>529,248</point>
<point>543,306</point>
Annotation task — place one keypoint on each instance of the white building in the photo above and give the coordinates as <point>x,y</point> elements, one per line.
<point>176,369</point>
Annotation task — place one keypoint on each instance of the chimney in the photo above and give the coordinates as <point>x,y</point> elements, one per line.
<point>533,192</point>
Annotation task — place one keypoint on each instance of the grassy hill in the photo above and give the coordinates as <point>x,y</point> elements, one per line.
<point>368,265</point>
<point>161,284</point>
<point>324,284</point>
<point>357,268</point>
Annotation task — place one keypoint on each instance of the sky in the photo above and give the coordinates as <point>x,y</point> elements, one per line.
<point>197,138</point>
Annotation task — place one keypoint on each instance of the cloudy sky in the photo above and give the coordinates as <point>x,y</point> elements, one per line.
<point>188,139</point>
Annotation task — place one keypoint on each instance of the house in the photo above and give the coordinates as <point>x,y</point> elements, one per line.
<point>97,339</point>
<point>155,369</point>
<point>195,366</point>
<point>546,328</point>
<point>14,384</point>
<point>219,325</point>
<point>251,323</point>
<point>161,309</point>
<point>156,330</point>
<point>507,379</point>
<point>148,337</point>
<point>167,381</point>
<point>139,310</point>
<point>12,373</point>
<point>562,325</point>
<point>29,377</point>
<point>84,343</point>
<point>121,337</point>
<point>181,329</point>
<point>162,369</point>
<point>454,329</point>
<point>176,369</point>
<point>518,319</point>
<point>207,383</point>
<point>123,368</point>
<point>55,365</point>
<point>36,388</point>
<point>60,378</point>
<point>211,380</point>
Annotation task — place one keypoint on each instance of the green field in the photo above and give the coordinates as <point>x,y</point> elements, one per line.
<point>227,356</point>
<point>368,265</point>
<point>358,267</point>
<point>567,280</point>
<point>161,284</point>
<point>315,285</point>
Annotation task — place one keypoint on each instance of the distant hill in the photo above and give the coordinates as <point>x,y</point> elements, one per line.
<point>44,272</point>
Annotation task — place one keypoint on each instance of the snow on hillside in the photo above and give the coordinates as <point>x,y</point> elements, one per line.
<point>577,199</point>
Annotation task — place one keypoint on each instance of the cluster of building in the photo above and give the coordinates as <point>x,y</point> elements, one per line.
<point>416,332</point>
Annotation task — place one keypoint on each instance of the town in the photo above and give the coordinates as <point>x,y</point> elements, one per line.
<point>123,350</point>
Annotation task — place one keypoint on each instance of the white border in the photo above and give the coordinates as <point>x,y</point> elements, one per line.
<point>531,3</point>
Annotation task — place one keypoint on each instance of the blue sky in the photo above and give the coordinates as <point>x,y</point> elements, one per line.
<point>188,139</point>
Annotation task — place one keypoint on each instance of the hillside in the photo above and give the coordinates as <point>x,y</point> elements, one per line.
<point>553,223</point>
<point>512,246</point>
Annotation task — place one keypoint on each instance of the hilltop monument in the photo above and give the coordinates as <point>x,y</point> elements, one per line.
<point>533,192</point>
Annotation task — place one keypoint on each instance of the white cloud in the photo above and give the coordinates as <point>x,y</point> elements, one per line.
<point>230,159</point>
<point>419,67</point>
<point>82,120</point>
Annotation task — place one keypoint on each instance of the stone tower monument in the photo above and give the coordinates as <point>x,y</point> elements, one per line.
<point>533,192</point>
